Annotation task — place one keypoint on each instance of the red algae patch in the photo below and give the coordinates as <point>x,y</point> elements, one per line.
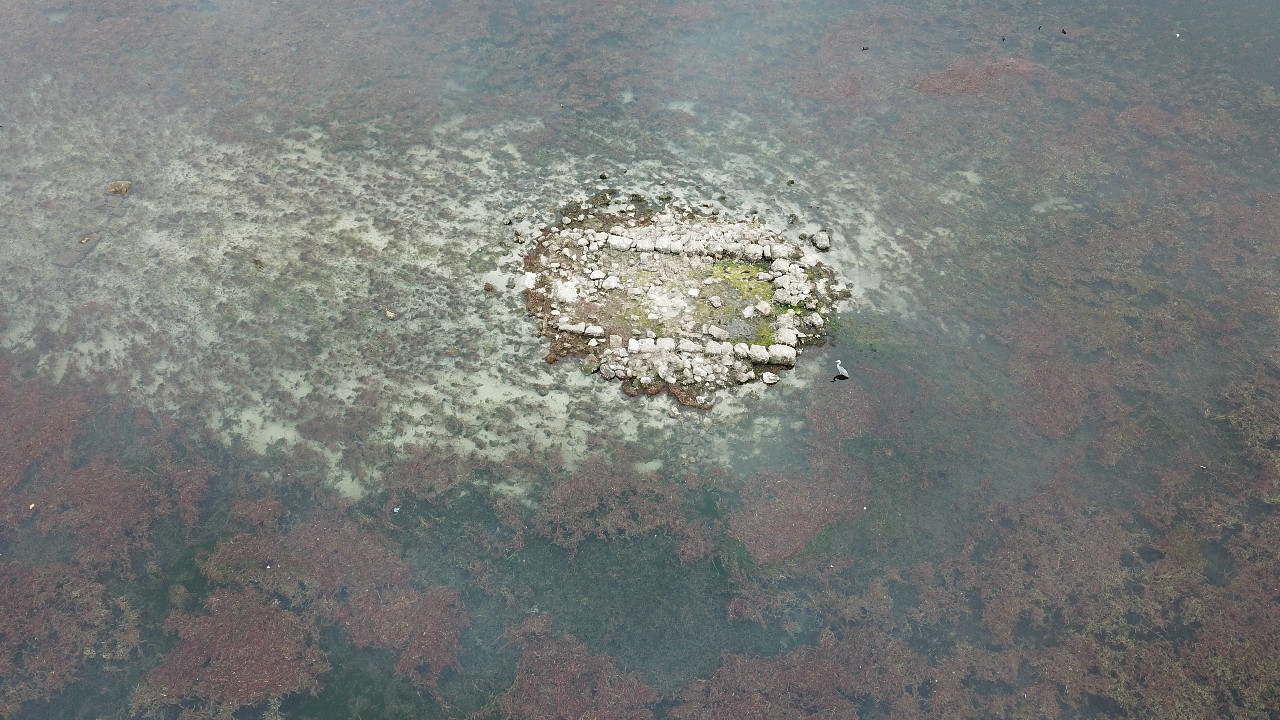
<point>244,652</point>
<point>560,678</point>
<point>782,513</point>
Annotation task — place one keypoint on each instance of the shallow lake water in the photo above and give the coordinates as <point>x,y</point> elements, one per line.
<point>279,436</point>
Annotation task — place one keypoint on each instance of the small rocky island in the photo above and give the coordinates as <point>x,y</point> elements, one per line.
<point>669,298</point>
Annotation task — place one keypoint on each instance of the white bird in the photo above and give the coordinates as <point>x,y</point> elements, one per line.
<point>841,373</point>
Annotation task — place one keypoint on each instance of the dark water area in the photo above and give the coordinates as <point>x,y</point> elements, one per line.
<point>278,437</point>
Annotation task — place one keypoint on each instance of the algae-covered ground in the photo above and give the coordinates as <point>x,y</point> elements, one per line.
<point>264,272</point>
<point>290,375</point>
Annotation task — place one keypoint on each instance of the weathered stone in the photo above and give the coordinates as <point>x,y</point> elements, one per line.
<point>566,291</point>
<point>769,378</point>
<point>786,336</point>
<point>594,331</point>
<point>758,353</point>
<point>666,343</point>
<point>718,333</point>
<point>688,346</point>
<point>780,354</point>
<point>821,241</point>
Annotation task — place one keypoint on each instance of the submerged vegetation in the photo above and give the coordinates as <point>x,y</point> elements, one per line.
<point>279,438</point>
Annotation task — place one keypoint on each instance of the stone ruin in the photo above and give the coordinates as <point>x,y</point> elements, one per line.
<point>674,299</point>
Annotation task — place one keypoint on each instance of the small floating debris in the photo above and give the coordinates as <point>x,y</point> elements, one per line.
<point>119,187</point>
<point>83,244</point>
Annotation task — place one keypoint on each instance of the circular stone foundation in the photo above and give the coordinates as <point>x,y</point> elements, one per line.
<point>669,299</point>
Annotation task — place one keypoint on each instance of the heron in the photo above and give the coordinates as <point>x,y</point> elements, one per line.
<point>841,373</point>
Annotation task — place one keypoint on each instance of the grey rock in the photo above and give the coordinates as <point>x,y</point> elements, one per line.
<point>782,354</point>
<point>718,333</point>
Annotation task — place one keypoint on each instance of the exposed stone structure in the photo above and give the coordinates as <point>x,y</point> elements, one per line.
<point>673,299</point>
